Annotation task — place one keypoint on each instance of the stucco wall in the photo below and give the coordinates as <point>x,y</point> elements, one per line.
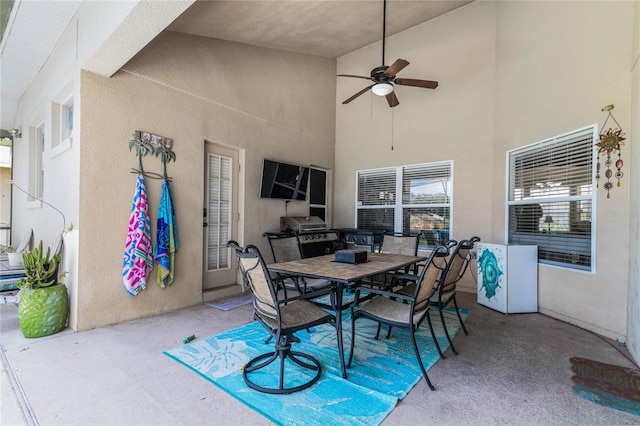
<point>633,311</point>
<point>452,122</point>
<point>60,77</point>
<point>266,102</point>
<point>511,74</point>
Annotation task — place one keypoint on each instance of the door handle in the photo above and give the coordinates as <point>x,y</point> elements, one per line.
<point>205,224</point>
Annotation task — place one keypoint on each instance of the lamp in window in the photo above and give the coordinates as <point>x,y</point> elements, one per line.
<point>548,220</point>
<point>382,89</point>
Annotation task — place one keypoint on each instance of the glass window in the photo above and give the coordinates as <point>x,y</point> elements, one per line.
<point>318,184</point>
<point>551,198</point>
<point>424,204</point>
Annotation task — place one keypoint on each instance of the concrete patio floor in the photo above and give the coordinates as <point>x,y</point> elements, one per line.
<point>512,369</point>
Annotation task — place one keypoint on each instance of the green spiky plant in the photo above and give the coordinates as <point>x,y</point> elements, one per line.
<point>40,268</point>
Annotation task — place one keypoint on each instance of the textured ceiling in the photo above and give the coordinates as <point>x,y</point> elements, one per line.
<point>329,28</point>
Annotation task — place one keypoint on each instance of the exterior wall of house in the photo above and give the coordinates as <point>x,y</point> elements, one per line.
<point>633,310</point>
<point>58,79</point>
<point>264,102</point>
<point>511,74</point>
<point>452,122</point>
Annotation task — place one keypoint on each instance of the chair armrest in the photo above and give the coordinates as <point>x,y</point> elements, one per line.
<point>407,277</point>
<point>388,294</point>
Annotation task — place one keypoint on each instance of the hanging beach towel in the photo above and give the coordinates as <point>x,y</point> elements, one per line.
<point>166,238</point>
<point>138,260</point>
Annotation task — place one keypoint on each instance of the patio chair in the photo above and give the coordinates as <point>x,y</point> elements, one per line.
<point>397,243</point>
<point>454,271</point>
<point>281,318</point>
<point>446,293</point>
<point>285,248</point>
<point>394,312</point>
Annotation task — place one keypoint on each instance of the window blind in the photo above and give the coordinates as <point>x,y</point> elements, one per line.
<point>550,198</point>
<point>407,199</point>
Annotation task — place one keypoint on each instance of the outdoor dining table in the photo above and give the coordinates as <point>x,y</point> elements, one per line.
<point>342,275</point>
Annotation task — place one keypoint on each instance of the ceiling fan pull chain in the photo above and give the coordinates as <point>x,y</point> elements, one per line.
<point>393,119</point>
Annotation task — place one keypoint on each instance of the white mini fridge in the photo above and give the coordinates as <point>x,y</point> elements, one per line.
<point>508,277</point>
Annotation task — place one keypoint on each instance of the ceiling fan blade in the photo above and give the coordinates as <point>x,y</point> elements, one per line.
<point>357,94</point>
<point>427,84</point>
<point>355,76</point>
<point>392,99</point>
<point>396,67</point>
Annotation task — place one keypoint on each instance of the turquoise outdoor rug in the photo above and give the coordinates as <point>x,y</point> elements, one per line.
<point>383,371</point>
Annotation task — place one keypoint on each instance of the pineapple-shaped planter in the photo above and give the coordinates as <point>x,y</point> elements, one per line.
<point>43,311</point>
<point>44,305</point>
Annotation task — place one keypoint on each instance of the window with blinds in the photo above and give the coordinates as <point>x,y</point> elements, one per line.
<point>407,199</point>
<point>551,198</point>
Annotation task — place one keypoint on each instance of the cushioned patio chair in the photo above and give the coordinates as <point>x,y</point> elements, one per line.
<point>397,243</point>
<point>454,271</point>
<point>285,248</point>
<point>400,310</point>
<point>281,318</point>
<point>446,293</point>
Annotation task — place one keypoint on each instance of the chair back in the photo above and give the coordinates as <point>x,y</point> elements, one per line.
<point>457,265</point>
<point>256,276</point>
<point>428,279</point>
<point>284,248</point>
<point>406,244</point>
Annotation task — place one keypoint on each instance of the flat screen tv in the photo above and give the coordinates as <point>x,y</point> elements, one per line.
<point>284,181</point>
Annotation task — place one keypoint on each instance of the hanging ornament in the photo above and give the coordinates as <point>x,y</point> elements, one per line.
<point>610,142</point>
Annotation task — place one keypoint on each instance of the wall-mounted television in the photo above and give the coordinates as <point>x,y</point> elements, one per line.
<point>284,181</point>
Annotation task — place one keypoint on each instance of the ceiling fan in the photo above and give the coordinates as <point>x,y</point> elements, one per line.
<point>384,76</point>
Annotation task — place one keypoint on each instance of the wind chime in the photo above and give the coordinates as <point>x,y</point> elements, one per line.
<point>610,142</point>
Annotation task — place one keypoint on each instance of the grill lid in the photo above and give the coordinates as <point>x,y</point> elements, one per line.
<point>302,223</point>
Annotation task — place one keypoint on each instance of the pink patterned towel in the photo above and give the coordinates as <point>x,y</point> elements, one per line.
<point>138,256</point>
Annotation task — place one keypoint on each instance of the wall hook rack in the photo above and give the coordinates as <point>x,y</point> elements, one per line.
<point>147,143</point>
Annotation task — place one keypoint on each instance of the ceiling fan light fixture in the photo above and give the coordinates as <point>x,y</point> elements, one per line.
<point>382,89</point>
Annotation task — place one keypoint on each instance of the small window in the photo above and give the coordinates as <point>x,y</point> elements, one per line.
<point>61,124</point>
<point>551,198</point>
<point>66,119</point>
<point>318,200</point>
<point>36,169</point>
<point>407,199</point>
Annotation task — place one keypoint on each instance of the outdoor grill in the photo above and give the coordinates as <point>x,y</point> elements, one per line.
<point>302,223</point>
<point>315,238</point>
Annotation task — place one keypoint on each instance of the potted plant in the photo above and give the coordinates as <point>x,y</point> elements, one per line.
<point>44,304</point>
